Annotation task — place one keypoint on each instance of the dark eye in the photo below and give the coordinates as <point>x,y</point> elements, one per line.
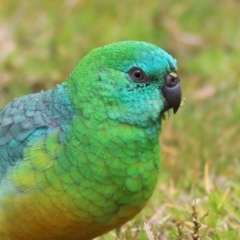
<point>137,75</point>
<point>171,79</point>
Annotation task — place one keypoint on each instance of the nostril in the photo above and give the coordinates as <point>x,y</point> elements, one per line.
<point>171,80</point>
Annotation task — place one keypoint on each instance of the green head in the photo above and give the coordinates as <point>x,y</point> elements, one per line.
<point>132,82</point>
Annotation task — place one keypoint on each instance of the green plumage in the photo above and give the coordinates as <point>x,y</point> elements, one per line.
<point>83,158</point>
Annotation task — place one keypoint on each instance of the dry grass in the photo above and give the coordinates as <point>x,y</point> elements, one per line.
<point>41,42</point>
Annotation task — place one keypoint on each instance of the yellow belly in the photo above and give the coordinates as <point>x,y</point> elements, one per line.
<point>36,217</point>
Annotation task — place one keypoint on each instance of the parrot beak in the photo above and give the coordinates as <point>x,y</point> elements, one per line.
<point>172,92</point>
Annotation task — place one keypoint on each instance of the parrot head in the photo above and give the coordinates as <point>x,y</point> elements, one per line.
<point>132,81</point>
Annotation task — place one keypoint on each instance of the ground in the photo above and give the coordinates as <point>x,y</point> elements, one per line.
<point>42,41</point>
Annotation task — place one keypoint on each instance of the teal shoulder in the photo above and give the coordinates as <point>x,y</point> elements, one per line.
<point>31,117</point>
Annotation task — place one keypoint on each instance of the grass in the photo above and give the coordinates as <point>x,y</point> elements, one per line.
<point>42,41</point>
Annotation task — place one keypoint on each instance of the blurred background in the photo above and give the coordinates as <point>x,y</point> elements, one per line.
<point>42,41</point>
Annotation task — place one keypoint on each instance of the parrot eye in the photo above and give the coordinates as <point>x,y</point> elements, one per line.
<point>138,75</point>
<point>171,79</point>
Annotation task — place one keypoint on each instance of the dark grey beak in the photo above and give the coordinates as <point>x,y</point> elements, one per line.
<point>172,92</point>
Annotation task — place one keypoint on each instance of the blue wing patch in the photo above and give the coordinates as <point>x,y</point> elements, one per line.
<point>34,115</point>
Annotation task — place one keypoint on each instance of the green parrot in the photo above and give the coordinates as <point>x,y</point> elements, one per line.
<point>83,158</point>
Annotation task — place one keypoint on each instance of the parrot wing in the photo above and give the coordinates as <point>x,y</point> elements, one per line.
<point>20,120</point>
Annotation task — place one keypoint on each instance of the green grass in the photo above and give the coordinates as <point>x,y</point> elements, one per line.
<point>42,41</point>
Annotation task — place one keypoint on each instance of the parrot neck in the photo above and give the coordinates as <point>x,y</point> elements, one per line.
<point>111,132</point>
<point>112,143</point>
